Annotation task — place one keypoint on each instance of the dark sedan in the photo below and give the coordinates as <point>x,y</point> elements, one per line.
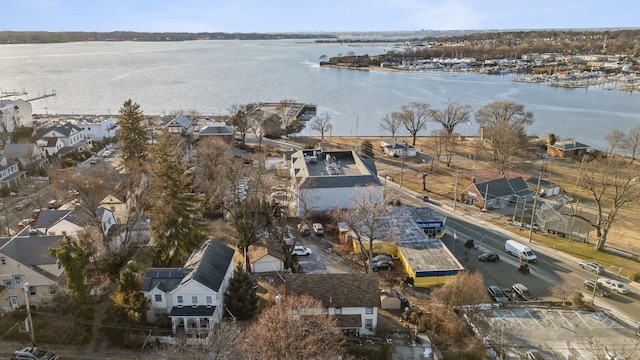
<point>489,257</point>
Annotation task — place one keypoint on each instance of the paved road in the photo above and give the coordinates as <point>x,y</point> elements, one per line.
<point>552,269</point>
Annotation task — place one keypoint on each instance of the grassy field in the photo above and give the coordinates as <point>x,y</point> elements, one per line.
<point>468,164</point>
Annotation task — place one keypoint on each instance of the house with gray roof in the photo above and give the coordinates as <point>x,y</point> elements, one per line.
<point>220,131</point>
<point>497,193</point>
<point>25,258</point>
<point>323,180</point>
<point>180,125</point>
<point>10,173</point>
<point>353,298</point>
<point>567,148</point>
<point>393,147</point>
<point>24,153</point>
<point>192,296</point>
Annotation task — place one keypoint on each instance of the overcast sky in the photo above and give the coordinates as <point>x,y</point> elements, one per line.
<point>313,15</point>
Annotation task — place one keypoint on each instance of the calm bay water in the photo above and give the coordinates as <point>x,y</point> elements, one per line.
<point>210,76</point>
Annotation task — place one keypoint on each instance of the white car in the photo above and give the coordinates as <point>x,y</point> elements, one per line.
<point>301,251</point>
<point>614,285</point>
<point>591,266</point>
<point>318,229</point>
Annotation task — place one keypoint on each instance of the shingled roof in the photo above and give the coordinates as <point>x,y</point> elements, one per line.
<point>209,263</point>
<point>336,290</point>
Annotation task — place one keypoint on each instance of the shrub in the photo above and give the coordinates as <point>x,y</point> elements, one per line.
<point>577,299</point>
<point>635,276</point>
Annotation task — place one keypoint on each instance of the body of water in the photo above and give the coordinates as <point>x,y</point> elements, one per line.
<point>210,76</point>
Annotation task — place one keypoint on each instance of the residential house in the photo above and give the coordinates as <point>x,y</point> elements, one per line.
<point>118,207</point>
<point>395,148</point>
<point>24,153</point>
<point>219,131</point>
<point>265,256</point>
<point>70,221</point>
<point>323,180</point>
<point>10,174</point>
<point>25,258</point>
<point>137,234</point>
<point>95,128</point>
<point>353,298</point>
<point>14,113</point>
<point>54,138</point>
<point>180,125</point>
<point>192,296</point>
<point>497,193</point>
<point>567,148</point>
<point>544,187</point>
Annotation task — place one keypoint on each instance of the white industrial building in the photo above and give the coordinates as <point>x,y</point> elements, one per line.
<point>323,180</point>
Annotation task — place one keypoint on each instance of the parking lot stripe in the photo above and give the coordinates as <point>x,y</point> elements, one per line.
<point>549,318</point>
<point>584,322</point>
<point>532,317</point>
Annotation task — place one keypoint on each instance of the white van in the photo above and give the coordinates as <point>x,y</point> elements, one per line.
<point>517,249</point>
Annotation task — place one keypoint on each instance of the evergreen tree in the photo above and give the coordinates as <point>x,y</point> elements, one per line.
<point>241,299</point>
<point>74,255</point>
<point>176,213</point>
<point>133,135</point>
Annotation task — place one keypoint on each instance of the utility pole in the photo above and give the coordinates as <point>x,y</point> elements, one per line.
<point>533,211</point>
<point>404,153</point>
<point>31,330</point>
<point>455,191</point>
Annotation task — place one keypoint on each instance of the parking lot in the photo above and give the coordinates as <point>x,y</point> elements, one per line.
<point>557,333</point>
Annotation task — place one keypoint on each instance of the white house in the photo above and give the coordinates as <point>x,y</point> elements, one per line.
<point>95,128</point>
<point>10,174</point>
<point>71,221</point>
<point>395,148</point>
<point>353,298</point>
<point>192,296</point>
<point>70,134</point>
<point>322,180</point>
<point>25,258</point>
<point>15,113</point>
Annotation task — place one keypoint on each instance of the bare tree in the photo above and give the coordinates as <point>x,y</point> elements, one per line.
<point>368,210</point>
<point>322,124</point>
<point>452,115</point>
<point>224,344</point>
<point>612,185</point>
<point>414,117</point>
<point>504,125</point>
<point>445,143</point>
<point>563,291</point>
<point>294,329</point>
<point>631,142</point>
<point>391,124</point>
<point>240,120</point>
<point>614,140</point>
<point>257,123</point>
<point>464,289</point>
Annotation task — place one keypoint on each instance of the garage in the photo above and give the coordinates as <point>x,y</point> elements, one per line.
<point>265,257</point>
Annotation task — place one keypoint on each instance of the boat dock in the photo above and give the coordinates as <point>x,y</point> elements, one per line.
<point>7,94</point>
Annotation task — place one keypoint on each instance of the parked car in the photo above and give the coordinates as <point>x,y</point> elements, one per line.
<point>497,294</point>
<point>301,251</point>
<point>382,257</point>
<point>590,284</point>
<point>34,353</point>
<point>318,229</point>
<point>304,229</point>
<point>422,197</point>
<point>523,292</point>
<point>592,266</point>
<point>489,257</point>
<point>614,285</point>
<point>382,265</point>
<point>107,153</point>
